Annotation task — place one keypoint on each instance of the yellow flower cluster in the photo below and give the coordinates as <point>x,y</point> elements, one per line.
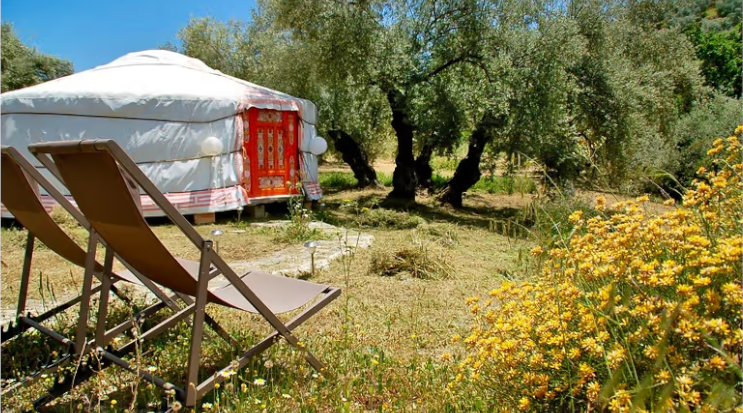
<point>637,312</point>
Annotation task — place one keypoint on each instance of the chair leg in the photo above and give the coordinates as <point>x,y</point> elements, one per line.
<point>82,323</point>
<point>198,325</point>
<point>106,284</point>
<point>330,295</point>
<point>26,274</point>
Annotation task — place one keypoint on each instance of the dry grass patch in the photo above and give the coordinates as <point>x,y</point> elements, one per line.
<point>415,256</point>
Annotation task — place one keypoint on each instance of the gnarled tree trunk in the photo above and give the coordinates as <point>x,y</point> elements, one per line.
<point>468,170</point>
<point>404,181</point>
<point>355,156</point>
<point>423,170</point>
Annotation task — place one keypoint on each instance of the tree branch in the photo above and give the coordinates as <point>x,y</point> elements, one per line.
<point>433,73</point>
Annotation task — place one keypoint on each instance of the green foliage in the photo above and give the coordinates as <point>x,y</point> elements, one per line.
<point>505,185</point>
<point>225,46</point>
<point>587,88</point>
<point>715,30</point>
<point>722,64</point>
<point>258,52</point>
<point>337,181</point>
<point>23,66</point>
<point>710,118</point>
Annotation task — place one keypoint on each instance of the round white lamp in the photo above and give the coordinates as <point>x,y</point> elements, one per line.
<point>318,146</point>
<point>211,146</point>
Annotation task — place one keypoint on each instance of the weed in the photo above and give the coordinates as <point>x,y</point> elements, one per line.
<point>299,229</point>
<point>445,234</point>
<point>549,219</point>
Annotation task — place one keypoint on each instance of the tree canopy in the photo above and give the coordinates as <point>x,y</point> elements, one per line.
<point>588,88</point>
<point>23,66</point>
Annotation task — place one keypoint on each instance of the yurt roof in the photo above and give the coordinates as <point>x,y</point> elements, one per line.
<point>153,84</point>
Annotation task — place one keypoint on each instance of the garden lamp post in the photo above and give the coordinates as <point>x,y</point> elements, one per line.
<point>311,247</point>
<point>216,233</point>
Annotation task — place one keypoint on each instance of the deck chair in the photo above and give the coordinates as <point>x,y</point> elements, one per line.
<point>20,183</point>
<point>99,174</point>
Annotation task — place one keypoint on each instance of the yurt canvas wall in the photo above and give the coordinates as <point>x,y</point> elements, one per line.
<point>193,130</point>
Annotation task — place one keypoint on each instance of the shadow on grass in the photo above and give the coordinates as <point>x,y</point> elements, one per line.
<point>506,221</point>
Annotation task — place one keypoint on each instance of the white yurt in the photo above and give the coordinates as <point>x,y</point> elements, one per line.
<point>209,141</point>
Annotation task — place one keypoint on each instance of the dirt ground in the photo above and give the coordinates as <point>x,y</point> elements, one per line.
<point>385,166</point>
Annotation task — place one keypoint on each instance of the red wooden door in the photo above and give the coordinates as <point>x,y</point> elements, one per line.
<point>273,152</point>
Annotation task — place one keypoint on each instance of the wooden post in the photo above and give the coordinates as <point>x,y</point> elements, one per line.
<point>207,218</point>
<point>257,211</point>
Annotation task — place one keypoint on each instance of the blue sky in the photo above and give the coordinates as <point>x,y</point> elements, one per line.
<point>91,33</point>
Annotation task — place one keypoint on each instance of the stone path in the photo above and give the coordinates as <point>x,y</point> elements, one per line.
<point>291,261</point>
<point>296,259</point>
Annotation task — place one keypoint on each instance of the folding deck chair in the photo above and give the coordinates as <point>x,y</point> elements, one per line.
<point>20,183</point>
<point>99,174</point>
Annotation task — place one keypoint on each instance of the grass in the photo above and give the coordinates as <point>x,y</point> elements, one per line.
<point>340,181</point>
<point>505,185</point>
<point>386,340</point>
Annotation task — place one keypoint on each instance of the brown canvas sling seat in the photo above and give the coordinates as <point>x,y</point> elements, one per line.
<point>20,183</point>
<point>21,197</point>
<point>280,294</point>
<point>102,178</point>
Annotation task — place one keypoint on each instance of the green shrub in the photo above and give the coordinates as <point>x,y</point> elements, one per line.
<point>505,185</point>
<point>695,132</point>
<point>444,163</point>
<point>337,181</point>
<point>384,179</point>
